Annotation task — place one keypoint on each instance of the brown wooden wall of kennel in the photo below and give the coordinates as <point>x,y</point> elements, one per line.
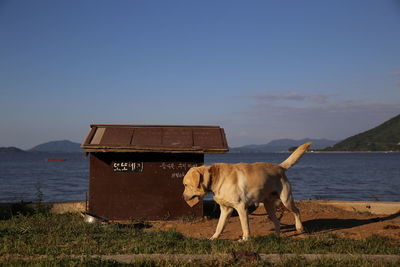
<point>136,171</point>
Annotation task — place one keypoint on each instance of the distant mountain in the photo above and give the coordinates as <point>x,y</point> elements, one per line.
<point>65,146</point>
<point>280,145</point>
<point>385,137</point>
<point>13,150</point>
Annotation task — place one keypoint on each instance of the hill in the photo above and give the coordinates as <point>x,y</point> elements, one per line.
<point>280,145</point>
<point>65,146</point>
<point>13,150</point>
<point>385,137</point>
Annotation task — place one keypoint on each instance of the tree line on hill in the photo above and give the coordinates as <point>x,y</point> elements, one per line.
<point>385,137</point>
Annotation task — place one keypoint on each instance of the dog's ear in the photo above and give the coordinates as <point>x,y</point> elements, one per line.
<point>204,181</point>
<point>196,178</point>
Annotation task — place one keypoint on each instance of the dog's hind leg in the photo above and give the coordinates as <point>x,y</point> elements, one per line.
<point>270,208</point>
<point>225,213</point>
<point>288,202</point>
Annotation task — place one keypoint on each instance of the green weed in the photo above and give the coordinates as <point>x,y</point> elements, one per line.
<point>296,261</point>
<point>51,234</point>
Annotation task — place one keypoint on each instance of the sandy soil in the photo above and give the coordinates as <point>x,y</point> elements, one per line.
<point>316,219</point>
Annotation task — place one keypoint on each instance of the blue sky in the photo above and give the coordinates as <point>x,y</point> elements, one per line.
<point>263,70</point>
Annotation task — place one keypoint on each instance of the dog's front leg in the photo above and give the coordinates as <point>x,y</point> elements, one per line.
<point>244,221</point>
<point>225,213</point>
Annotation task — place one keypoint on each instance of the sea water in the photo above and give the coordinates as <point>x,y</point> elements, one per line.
<point>323,176</point>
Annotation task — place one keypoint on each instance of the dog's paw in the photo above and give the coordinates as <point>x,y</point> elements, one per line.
<point>243,239</point>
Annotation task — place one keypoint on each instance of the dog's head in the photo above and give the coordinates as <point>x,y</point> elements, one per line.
<point>196,183</point>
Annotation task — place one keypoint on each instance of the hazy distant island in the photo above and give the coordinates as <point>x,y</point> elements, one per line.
<point>61,146</point>
<point>282,145</point>
<point>385,137</point>
<point>64,146</point>
<point>11,150</point>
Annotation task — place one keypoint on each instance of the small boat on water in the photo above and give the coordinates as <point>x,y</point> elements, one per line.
<point>56,159</point>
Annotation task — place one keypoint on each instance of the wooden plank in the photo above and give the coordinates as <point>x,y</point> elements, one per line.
<point>177,137</point>
<point>97,136</point>
<point>89,137</point>
<point>153,126</point>
<point>208,138</point>
<point>168,139</point>
<point>154,149</point>
<point>147,137</point>
<point>117,136</point>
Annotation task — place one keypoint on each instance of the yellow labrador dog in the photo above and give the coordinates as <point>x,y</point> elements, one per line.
<point>237,186</point>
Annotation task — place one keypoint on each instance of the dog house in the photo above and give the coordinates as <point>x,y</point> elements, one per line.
<point>136,171</point>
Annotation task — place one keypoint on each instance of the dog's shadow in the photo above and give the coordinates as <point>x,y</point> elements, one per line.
<point>211,210</point>
<point>332,224</point>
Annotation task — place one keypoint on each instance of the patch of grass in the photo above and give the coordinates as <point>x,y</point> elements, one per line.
<point>189,219</point>
<point>51,234</point>
<point>52,261</point>
<point>296,261</point>
<point>357,262</point>
<point>9,210</point>
<point>324,243</point>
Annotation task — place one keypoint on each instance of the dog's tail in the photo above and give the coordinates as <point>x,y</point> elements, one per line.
<point>295,156</point>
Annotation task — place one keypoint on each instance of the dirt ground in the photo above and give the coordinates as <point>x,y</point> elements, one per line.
<point>316,219</point>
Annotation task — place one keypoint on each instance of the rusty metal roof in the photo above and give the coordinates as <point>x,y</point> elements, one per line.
<point>155,138</point>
